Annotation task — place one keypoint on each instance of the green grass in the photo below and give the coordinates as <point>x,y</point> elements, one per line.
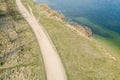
<point>111,45</point>
<point>19,50</point>
<point>110,37</point>
<point>83,59</point>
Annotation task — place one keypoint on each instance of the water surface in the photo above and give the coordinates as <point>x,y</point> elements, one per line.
<point>102,16</point>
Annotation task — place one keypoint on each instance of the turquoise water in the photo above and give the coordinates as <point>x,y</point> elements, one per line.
<point>102,16</point>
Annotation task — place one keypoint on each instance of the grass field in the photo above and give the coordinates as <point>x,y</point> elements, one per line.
<point>83,58</point>
<point>20,57</point>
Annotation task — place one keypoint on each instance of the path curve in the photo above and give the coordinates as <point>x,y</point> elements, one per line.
<point>53,65</point>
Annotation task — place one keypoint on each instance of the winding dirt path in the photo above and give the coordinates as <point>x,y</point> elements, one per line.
<point>53,65</point>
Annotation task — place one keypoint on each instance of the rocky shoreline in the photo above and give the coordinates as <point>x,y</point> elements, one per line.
<point>59,16</point>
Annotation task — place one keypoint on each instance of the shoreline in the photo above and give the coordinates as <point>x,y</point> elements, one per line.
<point>82,29</point>
<point>73,47</point>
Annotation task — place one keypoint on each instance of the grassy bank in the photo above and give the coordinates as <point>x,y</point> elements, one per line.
<point>20,57</point>
<point>83,58</point>
<point>100,33</point>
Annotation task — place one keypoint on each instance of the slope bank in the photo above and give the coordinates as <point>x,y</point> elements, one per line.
<point>84,58</point>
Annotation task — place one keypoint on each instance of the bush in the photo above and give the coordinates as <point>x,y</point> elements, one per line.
<point>3,9</point>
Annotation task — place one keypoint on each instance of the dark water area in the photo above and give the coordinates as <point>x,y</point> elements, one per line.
<point>105,13</point>
<point>102,16</point>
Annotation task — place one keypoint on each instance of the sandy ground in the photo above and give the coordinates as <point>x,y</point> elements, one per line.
<point>53,65</point>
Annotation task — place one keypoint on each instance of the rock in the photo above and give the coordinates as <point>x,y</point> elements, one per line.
<point>51,12</point>
<point>83,29</point>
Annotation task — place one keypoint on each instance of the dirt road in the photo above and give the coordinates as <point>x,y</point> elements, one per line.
<point>53,65</point>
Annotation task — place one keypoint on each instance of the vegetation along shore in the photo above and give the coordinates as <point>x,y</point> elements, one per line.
<point>83,56</point>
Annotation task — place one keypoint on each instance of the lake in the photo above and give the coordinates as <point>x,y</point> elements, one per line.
<point>102,16</point>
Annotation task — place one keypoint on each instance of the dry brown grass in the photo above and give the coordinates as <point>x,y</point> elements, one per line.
<point>20,57</point>
<point>51,12</point>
